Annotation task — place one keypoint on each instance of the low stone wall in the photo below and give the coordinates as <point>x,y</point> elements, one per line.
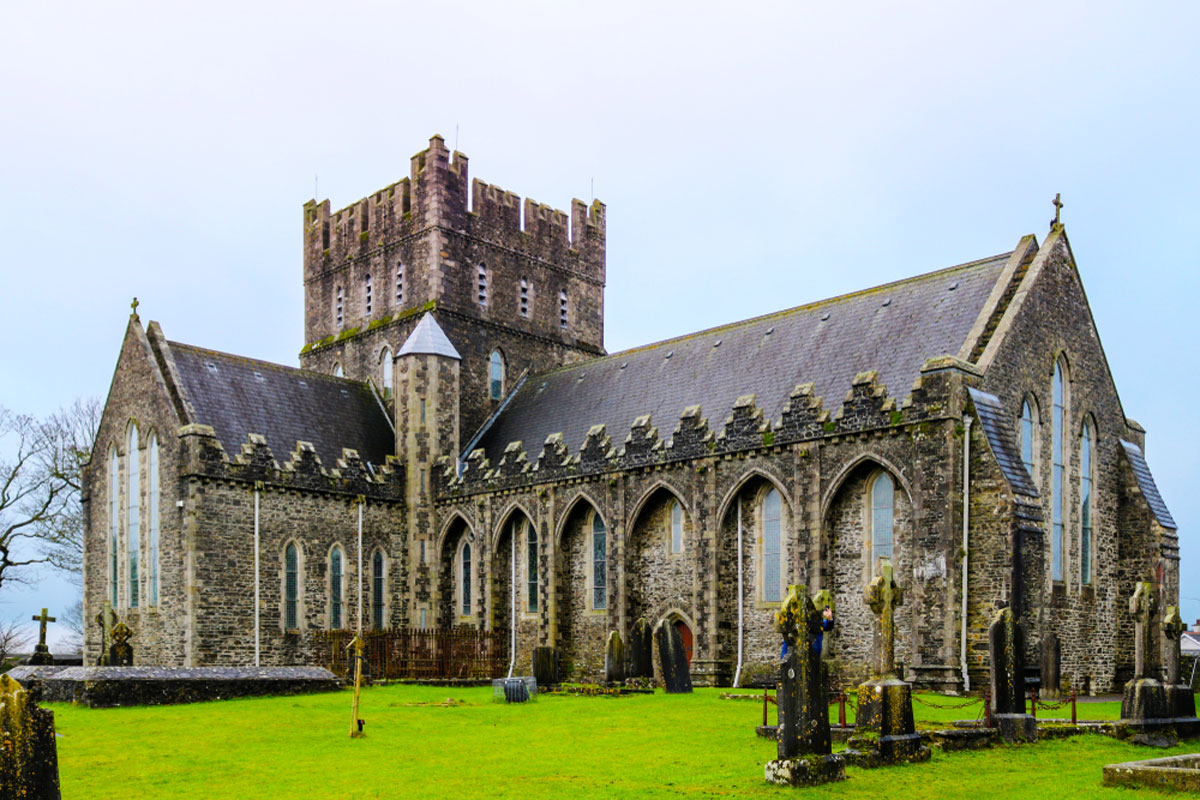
<point>1181,773</point>
<point>106,687</point>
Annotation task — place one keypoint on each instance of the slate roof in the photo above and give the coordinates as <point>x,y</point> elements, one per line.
<point>892,328</point>
<point>428,337</point>
<point>1141,471</point>
<point>1003,441</point>
<point>239,396</point>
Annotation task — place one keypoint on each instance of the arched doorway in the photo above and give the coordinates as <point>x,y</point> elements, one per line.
<point>685,633</point>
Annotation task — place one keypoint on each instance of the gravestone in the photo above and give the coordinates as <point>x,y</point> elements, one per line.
<point>677,678</point>
<point>1051,666</point>
<point>41,653</point>
<point>546,666</point>
<point>28,749</point>
<point>641,650</point>
<point>1006,646</point>
<point>107,619</point>
<point>1144,704</point>
<point>614,658</point>
<point>804,747</point>
<point>885,701</point>
<point>1181,701</point>
<point>120,653</point>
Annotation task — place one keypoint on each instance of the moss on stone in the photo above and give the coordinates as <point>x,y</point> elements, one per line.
<point>896,417</point>
<point>768,438</point>
<point>829,427</point>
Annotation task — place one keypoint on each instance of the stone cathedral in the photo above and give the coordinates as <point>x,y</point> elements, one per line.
<point>455,413</point>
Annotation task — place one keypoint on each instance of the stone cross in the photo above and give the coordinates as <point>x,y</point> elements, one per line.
<point>107,620</point>
<point>884,596</point>
<point>44,618</point>
<point>1172,628</point>
<point>134,306</point>
<point>1142,606</point>
<point>1058,207</point>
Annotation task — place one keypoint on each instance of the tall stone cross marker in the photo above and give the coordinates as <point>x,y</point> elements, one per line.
<point>41,653</point>
<point>1058,207</point>
<point>1172,628</point>
<point>1142,607</point>
<point>883,595</point>
<point>44,618</point>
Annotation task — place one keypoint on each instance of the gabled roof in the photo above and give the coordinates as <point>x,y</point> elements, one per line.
<point>428,338</point>
<point>1141,471</point>
<point>892,329</point>
<point>239,396</point>
<point>1002,440</point>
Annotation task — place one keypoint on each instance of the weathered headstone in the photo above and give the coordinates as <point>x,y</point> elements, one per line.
<point>885,701</point>
<point>41,653</point>
<point>1145,703</point>
<point>107,619</point>
<point>1006,646</point>
<point>1051,666</point>
<point>614,658</point>
<point>546,666</point>
<point>1181,701</point>
<point>641,650</point>
<point>804,749</point>
<point>677,678</point>
<point>120,653</point>
<point>28,749</point>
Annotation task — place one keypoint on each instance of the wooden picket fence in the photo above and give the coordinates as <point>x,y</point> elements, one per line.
<point>417,653</point>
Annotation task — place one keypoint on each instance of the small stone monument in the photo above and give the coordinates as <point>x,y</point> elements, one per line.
<point>1006,646</point>
<point>885,701</point>
<point>546,666</point>
<point>107,619</point>
<point>805,749</point>
<point>641,650</point>
<point>1181,701</point>
<point>120,653</point>
<point>41,653</point>
<point>677,678</point>
<point>1145,703</point>
<point>28,749</point>
<point>614,658</point>
<point>1050,667</point>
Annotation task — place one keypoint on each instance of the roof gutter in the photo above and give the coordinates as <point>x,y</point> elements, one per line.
<point>460,464</point>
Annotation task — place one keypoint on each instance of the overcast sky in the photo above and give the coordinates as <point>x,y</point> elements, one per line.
<point>752,157</point>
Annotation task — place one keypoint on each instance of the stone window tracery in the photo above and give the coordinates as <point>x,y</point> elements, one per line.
<point>291,587</point>
<point>599,563</point>
<point>464,579</point>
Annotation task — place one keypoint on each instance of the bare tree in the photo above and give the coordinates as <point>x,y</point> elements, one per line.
<point>14,640</point>
<point>71,434</point>
<point>72,620</point>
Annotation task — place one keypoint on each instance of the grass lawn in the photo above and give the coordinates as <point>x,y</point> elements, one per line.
<point>638,746</point>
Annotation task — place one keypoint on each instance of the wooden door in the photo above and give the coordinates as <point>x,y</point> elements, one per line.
<point>685,633</point>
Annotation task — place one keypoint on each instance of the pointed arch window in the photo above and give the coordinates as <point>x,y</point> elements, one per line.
<point>531,567</point>
<point>1058,421</point>
<point>1028,437</point>
<point>464,579</point>
<point>378,573</point>
<point>1085,504</point>
<point>772,546</point>
<point>496,375</point>
<point>387,364</point>
<point>134,514</point>
<point>291,587</point>
<point>676,527</point>
<point>336,589</point>
<point>599,563</point>
<point>152,584</point>
<point>883,512</point>
<point>114,511</point>
<point>338,372</point>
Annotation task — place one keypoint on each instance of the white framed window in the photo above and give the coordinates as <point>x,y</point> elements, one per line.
<point>676,523</point>
<point>523,301</point>
<point>133,515</point>
<point>338,308</point>
<point>531,566</point>
<point>337,589</point>
<point>482,285</point>
<point>496,375</point>
<point>1029,426</point>
<point>464,579</point>
<point>883,515</point>
<point>1058,421</point>
<point>152,469</point>
<point>1085,503</point>
<point>771,512</point>
<point>368,300</point>
<point>599,563</point>
<point>562,309</point>
<point>378,590</point>
<point>399,283</point>
<point>114,522</point>
<point>387,367</point>
<point>291,587</point>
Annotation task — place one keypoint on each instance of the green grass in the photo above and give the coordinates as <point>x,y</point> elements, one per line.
<point>576,747</point>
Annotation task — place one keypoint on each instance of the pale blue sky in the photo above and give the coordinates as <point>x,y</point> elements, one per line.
<point>752,156</point>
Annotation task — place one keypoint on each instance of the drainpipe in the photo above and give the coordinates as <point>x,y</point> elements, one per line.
<point>966,520</point>
<point>737,676</point>
<point>257,486</point>
<point>361,500</point>
<point>512,604</point>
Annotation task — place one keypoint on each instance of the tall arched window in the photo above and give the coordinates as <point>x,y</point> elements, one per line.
<point>676,527</point>
<point>531,567</point>
<point>464,578</point>
<point>336,585</point>
<point>496,375</point>
<point>114,519</point>
<point>377,579</point>
<point>1058,421</point>
<point>883,505</point>
<point>291,587</point>
<point>386,362</point>
<point>1028,432</point>
<point>1085,504</point>
<point>153,509</point>
<point>772,546</point>
<point>134,514</point>
<point>599,563</point>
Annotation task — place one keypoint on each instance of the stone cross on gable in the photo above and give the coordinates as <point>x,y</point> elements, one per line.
<point>1172,628</point>
<point>1142,606</point>
<point>1058,207</point>
<point>44,618</point>
<point>884,596</point>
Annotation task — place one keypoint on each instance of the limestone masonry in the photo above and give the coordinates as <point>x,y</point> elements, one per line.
<point>455,396</point>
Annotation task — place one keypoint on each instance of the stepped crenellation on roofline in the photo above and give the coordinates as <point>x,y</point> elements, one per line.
<point>867,409</point>
<point>203,455</point>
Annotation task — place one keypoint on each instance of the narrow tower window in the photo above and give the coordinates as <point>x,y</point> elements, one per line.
<point>464,576</point>
<point>134,515</point>
<point>883,499</point>
<point>291,587</point>
<point>1027,433</point>
<point>496,375</point>
<point>335,589</point>
<point>377,591</point>
<point>367,298</point>
<point>385,361</point>
<point>599,563</point>
<point>1058,421</point>
<point>676,527</point>
<point>772,527</point>
<point>399,283</point>
<point>562,309</point>
<point>531,567</point>
<point>1085,504</point>
<point>114,492</point>
<point>483,285</point>
<point>153,450</point>
<point>524,301</point>
<point>338,307</point>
